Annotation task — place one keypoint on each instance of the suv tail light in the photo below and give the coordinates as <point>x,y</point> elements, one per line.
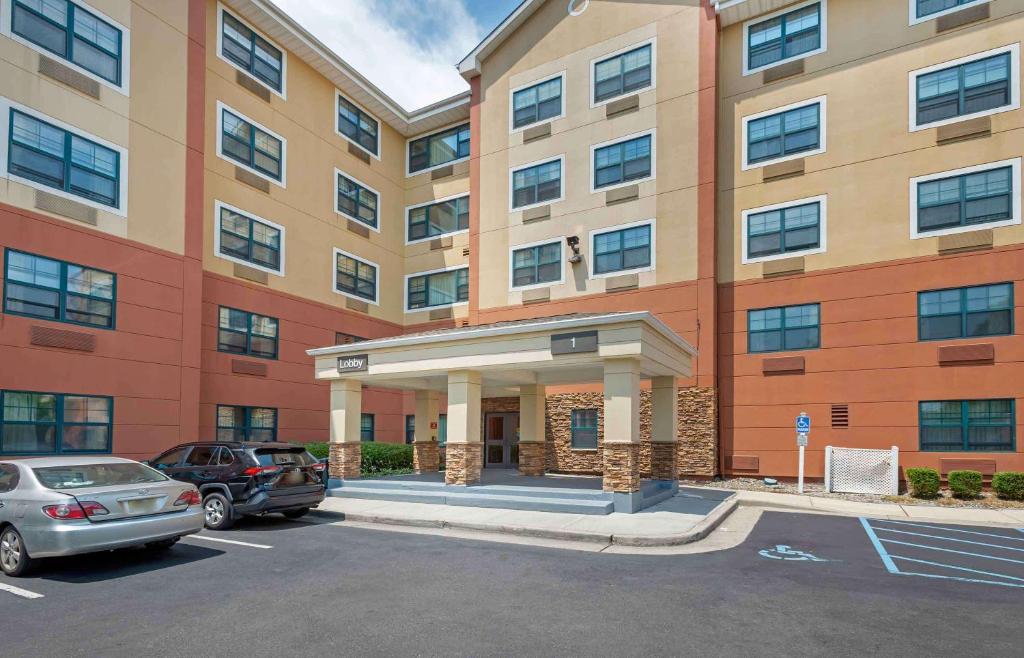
<point>262,470</point>
<point>75,511</point>
<point>190,497</point>
<point>319,466</point>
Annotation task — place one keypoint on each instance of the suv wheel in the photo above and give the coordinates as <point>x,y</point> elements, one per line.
<point>296,513</point>
<point>14,560</point>
<point>218,511</point>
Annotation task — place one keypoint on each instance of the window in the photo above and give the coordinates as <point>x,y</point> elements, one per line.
<point>248,240</point>
<point>246,423</point>
<point>54,290</point>
<point>355,277</point>
<point>251,146</point>
<point>410,428</point>
<point>784,36</point>
<point>537,264</point>
<point>358,126</point>
<point>9,477</point>
<point>439,149</point>
<point>74,34</point>
<point>965,88</point>
<point>966,199</point>
<point>967,425</point>
<point>928,9</point>
<point>252,53</point>
<point>583,428</point>
<point>794,227</point>
<point>240,332</point>
<point>623,162</point>
<point>789,133</point>
<point>537,103</point>
<point>58,159</point>
<point>442,429</point>
<point>623,250</point>
<point>965,312</point>
<point>438,218</point>
<point>356,200</point>
<point>366,427</point>
<point>535,184</point>
<point>443,288</point>
<point>54,423</point>
<point>346,339</point>
<point>201,456</point>
<point>169,459</point>
<point>783,329</point>
<point>623,73</point>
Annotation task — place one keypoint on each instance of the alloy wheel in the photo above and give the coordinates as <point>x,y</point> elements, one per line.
<point>214,511</point>
<point>10,551</point>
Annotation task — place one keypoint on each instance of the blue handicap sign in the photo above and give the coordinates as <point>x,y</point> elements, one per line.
<point>803,424</point>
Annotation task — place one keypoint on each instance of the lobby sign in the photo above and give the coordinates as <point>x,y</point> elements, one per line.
<point>353,363</point>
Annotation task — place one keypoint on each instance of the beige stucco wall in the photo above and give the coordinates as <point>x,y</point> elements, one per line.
<point>871,152</point>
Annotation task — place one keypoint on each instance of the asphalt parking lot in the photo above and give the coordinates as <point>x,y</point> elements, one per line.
<point>799,585</point>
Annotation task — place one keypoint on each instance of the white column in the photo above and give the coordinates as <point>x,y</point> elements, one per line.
<point>346,411</point>
<point>664,427</point>
<point>463,451</point>
<point>622,429</point>
<point>425,455</point>
<point>532,450</point>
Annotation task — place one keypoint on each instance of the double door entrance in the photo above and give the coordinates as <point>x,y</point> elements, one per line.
<point>501,440</point>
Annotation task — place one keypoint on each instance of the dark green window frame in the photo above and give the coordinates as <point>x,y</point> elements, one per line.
<point>245,50</point>
<point>71,305</point>
<point>537,103</point>
<point>67,35</point>
<point>583,429</point>
<point>623,73</point>
<point>358,126</point>
<point>623,162</point>
<point>410,428</point>
<point>537,264</point>
<point>784,230</point>
<point>784,134</point>
<point>421,289</point>
<point>980,197</point>
<point>967,425</point>
<point>252,147</point>
<point>262,250</point>
<point>251,334</point>
<point>60,159</point>
<point>439,218</point>
<point>784,37</point>
<point>623,250</point>
<point>355,277</point>
<point>57,418</point>
<point>784,328</point>
<point>367,428</point>
<point>965,312</point>
<point>439,149</point>
<point>927,8</point>
<point>357,202</point>
<point>964,89</point>
<point>535,184</point>
<point>254,426</point>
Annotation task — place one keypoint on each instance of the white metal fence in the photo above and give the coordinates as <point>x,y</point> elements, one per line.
<point>859,470</point>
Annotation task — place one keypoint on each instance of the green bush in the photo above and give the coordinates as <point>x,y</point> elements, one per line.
<point>924,482</point>
<point>377,459</point>
<point>319,450</point>
<point>1009,485</point>
<point>965,484</point>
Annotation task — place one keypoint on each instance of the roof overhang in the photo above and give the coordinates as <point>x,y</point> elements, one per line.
<point>470,65</point>
<point>734,11</point>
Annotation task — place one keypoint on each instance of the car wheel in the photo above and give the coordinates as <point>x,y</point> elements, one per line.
<point>14,559</point>
<point>163,544</point>
<point>218,511</point>
<point>296,513</point>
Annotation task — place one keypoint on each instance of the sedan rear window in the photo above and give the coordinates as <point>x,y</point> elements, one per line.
<point>284,457</point>
<point>95,475</point>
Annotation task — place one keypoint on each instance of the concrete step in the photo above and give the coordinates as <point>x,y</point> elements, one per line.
<point>504,489</point>
<point>531,503</point>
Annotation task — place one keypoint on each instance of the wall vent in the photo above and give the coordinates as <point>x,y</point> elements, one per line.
<point>840,416</point>
<point>465,251</point>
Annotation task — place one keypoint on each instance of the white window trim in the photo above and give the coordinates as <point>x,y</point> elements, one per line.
<point>405,289</point>
<point>337,96</point>
<point>760,19</point>
<point>1013,49</point>
<point>126,45</point>
<point>220,205</point>
<point>822,132</point>
<point>408,142</point>
<point>334,277</point>
<point>339,172</point>
<point>511,103</point>
<point>221,10</point>
<point>560,241</point>
<point>6,105</point>
<point>561,183</point>
<point>409,209</point>
<point>221,106</point>
<point>654,160</point>
<point>618,227</point>
<point>822,200</point>
<point>653,42</point>
<point>915,19</point>
<point>1015,179</point>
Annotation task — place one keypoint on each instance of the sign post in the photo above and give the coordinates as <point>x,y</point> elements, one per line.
<point>803,430</point>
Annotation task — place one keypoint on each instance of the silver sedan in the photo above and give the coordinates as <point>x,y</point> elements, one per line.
<point>53,506</point>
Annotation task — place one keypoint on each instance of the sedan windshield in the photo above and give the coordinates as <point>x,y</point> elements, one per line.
<point>95,475</point>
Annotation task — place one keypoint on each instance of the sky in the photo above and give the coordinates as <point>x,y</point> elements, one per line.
<point>408,48</point>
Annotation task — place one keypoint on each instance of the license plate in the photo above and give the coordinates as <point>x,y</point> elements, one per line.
<point>145,506</point>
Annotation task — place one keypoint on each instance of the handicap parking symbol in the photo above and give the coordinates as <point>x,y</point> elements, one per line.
<point>784,552</point>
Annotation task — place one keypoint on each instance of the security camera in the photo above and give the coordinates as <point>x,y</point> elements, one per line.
<point>574,244</point>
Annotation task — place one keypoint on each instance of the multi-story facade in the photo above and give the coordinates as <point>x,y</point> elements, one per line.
<point>832,221</point>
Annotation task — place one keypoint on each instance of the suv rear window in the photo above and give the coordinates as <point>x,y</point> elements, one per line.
<point>284,457</point>
<point>95,475</point>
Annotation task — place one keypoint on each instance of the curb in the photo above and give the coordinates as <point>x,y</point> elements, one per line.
<point>888,515</point>
<point>698,532</point>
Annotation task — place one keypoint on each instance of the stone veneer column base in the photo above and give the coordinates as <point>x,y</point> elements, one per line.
<point>345,460</point>
<point>425,456</point>
<point>663,460</point>
<point>697,448</point>
<point>621,467</point>
<point>463,462</point>
<point>532,457</point>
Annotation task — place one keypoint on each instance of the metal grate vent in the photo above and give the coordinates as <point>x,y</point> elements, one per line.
<point>840,416</point>
<point>465,251</point>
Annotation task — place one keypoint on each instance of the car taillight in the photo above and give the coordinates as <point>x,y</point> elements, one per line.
<point>262,470</point>
<point>319,467</point>
<point>75,511</point>
<point>190,497</point>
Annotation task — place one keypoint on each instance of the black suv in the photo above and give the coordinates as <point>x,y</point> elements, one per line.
<point>238,479</point>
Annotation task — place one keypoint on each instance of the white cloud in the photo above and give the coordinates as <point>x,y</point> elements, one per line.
<point>408,48</point>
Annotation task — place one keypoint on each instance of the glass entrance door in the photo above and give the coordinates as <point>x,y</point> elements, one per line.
<point>501,440</point>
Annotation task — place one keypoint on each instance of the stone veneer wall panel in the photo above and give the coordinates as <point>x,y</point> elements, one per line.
<point>698,432</point>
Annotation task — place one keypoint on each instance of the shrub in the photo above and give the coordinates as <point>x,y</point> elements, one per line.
<point>965,484</point>
<point>319,450</point>
<point>386,457</point>
<point>1009,485</point>
<point>924,482</point>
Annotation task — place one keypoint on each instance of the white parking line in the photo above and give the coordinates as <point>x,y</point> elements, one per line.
<point>229,541</point>
<point>17,591</point>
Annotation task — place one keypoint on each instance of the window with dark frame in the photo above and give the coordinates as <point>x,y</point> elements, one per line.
<point>965,312</point>
<point>537,264</point>
<point>442,430</point>
<point>71,32</point>
<point>972,199</point>
<point>536,184</point>
<point>783,134</point>
<point>967,425</point>
<point>55,423</point>
<point>235,423</point>
<point>357,201</point>
<point>622,162</point>
<point>252,53</point>
<point>438,289</point>
<point>367,426</point>
<point>784,230</point>
<point>241,332</point>
<point>439,149</point>
<point>410,428</point>
<point>439,218</point>
<point>783,329</point>
<point>358,126</point>
<point>784,37</point>
<point>621,74</point>
<point>965,89</point>
<point>55,290</point>
<point>583,429</point>
<point>622,250</point>
<point>341,338</point>
<point>355,277</point>
<point>537,103</point>
<point>249,239</point>
<point>253,147</point>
